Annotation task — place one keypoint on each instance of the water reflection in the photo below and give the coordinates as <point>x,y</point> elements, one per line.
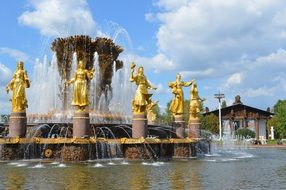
<point>13,179</point>
<point>182,177</point>
<point>266,170</point>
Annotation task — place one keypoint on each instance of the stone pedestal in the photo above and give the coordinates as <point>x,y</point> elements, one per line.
<point>81,126</point>
<point>194,128</point>
<point>179,126</point>
<point>17,124</point>
<point>139,126</point>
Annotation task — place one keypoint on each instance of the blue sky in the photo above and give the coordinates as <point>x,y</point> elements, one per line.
<point>232,46</point>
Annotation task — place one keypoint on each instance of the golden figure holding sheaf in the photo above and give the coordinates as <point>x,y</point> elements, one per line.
<point>142,96</point>
<point>177,104</point>
<point>18,84</point>
<point>195,102</point>
<point>80,90</point>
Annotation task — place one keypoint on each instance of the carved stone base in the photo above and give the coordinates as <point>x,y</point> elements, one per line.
<point>11,152</point>
<point>194,129</point>
<point>181,151</point>
<point>74,153</point>
<point>17,124</point>
<point>139,126</point>
<point>137,152</point>
<point>81,126</point>
<point>179,126</point>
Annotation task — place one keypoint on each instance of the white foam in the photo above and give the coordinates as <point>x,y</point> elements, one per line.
<point>38,166</point>
<point>228,159</point>
<point>61,166</point>
<point>210,160</point>
<point>98,165</point>
<point>111,163</point>
<point>156,164</point>
<point>124,163</point>
<point>212,155</point>
<point>153,163</point>
<point>55,163</point>
<point>245,156</point>
<point>21,165</point>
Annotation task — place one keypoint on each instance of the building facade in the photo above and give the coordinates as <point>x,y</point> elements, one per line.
<point>239,115</point>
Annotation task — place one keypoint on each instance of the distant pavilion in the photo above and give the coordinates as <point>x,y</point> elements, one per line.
<point>239,115</point>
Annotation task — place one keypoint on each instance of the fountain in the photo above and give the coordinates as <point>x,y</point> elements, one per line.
<point>79,109</point>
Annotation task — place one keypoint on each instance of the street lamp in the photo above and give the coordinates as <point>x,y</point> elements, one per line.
<point>219,96</point>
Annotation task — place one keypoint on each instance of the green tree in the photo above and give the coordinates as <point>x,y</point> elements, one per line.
<point>223,104</point>
<point>245,133</point>
<point>210,123</point>
<point>278,121</point>
<point>271,123</point>
<point>186,111</point>
<point>167,118</point>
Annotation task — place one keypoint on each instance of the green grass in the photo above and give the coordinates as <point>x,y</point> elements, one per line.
<point>272,142</point>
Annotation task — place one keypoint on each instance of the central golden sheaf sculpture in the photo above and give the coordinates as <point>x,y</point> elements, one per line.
<point>85,48</point>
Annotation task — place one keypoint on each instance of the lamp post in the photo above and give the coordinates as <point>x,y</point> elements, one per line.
<point>219,96</point>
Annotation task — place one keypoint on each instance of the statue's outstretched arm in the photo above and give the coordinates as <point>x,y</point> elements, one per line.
<point>186,84</point>
<point>150,86</point>
<point>68,82</point>
<point>90,73</point>
<point>10,85</point>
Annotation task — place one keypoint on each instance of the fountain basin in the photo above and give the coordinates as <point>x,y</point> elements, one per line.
<point>81,149</point>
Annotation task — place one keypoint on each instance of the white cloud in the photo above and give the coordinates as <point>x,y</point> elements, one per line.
<point>234,79</point>
<point>157,63</point>
<point>171,4</point>
<point>150,17</point>
<point>14,53</point>
<point>198,73</point>
<point>5,74</point>
<point>198,34</point>
<point>258,92</point>
<point>234,46</point>
<point>261,81</point>
<point>59,18</point>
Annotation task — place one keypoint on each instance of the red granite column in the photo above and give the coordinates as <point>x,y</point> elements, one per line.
<point>179,126</point>
<point>139,125</point>
<point>194,128</point>
<point>17,124</point>
<point>81,126</point>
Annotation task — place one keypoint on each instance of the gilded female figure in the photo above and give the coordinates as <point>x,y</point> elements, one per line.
<point>195,102</point>
<point>19,82</point>
<point>80,90</point>
<point>142,97</point>
<point>177,104</point>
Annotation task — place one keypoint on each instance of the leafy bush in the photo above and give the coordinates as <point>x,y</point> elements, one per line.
<point>244,133</point>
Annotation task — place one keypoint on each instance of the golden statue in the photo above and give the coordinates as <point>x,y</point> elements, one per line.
<point>177,104</point>
<point>80,90</point>
<point>195,102</point>
<point>142,97</point>
<point>151,116</point>
<point>19,82</point>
